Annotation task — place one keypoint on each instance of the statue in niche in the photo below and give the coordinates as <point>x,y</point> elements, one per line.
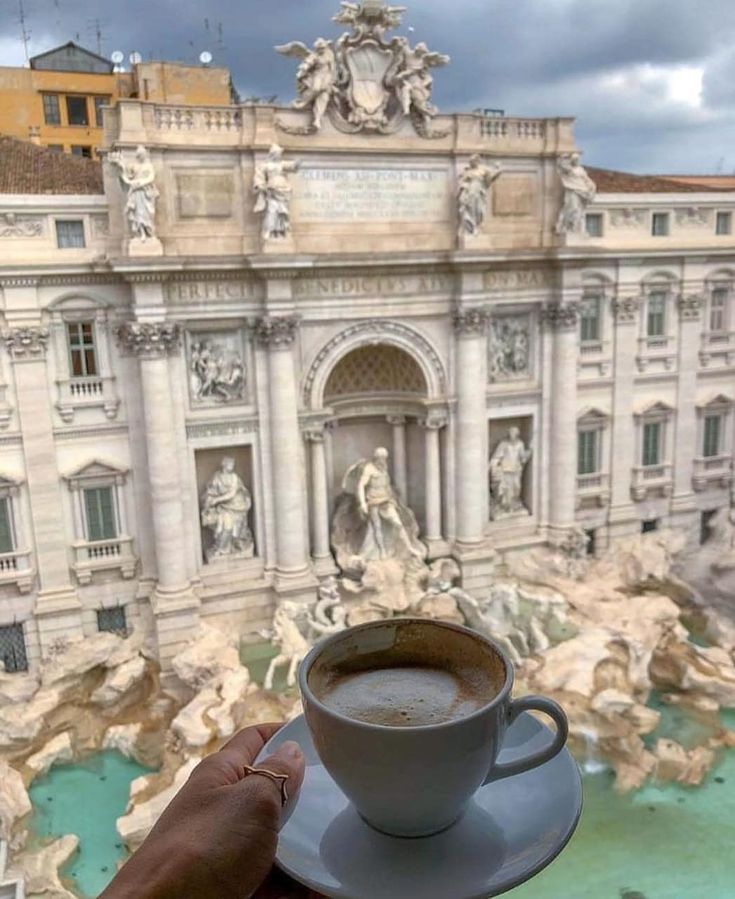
<point>226,504</point>
<point>579,191</point>
<point>510,348</point>
<point>139,177</point>
<point>371,522</point>
<point>316,78</point>
<point>217,372</point>
<point>274,191</point>
<point>507,465</point>
<point>414,80</point>
<point>474,184</point>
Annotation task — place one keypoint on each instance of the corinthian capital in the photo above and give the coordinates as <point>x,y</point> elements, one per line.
<point>690,307</point>
<point>277,331</point>
<point>152,340</point>
<point>26,343</point>
<point>561,316</point>
<point>471,321</point>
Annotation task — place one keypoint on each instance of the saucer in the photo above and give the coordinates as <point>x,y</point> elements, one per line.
<point>512,829</point>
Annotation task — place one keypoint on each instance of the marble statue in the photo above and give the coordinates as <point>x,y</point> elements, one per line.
<point>292,644</point>
<point>414,79</point>
<point>217,372</point>
<point>139,177</point>
<point>507,465</point>
<point>510,348</point>
<point>370,18</point>
<point>316,78</point>
<point>579,191</point>
<point>474,184</point>
<point>226,503</point>
<point>329,614</point>
<point>274,191</point>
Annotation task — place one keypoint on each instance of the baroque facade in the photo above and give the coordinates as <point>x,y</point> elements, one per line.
<point>284,313</point>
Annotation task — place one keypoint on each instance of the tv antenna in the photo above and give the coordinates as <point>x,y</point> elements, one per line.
<point>205,58</point>
<point>95,25</point>
<point>25,35</point>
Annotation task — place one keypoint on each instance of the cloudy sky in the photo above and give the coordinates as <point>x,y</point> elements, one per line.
<point>651,82</point>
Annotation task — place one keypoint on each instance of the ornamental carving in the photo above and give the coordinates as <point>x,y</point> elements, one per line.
<point>277,331</point>
<point>628,218</point>
<point>693,217</point>
<point>561,316</point>
<point>690,307</point>
<point>149,339</point>
<point>12,225</point>
<point>625,309</point>
<point>363,82</point>
<point>471,321</point>
<point>26,343</point>
<point>510,348</point>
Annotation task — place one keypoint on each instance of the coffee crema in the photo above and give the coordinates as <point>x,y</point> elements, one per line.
<point>407,695</point>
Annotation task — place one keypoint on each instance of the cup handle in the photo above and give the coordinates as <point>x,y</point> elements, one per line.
<point>557,715</point>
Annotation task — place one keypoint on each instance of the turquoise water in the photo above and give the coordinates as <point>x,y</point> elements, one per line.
<point>86,799</point>
<point>667,842</point>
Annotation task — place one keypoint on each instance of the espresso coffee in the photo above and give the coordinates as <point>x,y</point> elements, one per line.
<point>407,696</point>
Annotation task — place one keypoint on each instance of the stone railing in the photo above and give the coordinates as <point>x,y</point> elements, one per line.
<point>660,349</point>
<point>718,345</point>
<point>595,487</point>
<point>712,471</point>
<point>76,393</point>
<point>208,119</point>
<point>500,128</point>
<point>104,555</point>
<point>652,478</point>
<point>15,568</point>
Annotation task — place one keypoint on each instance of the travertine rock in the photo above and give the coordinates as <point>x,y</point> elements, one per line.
<point>14,800</point>
<point>41,869</point>
<point>124,738</point>
<point>58,749</point>
<point>211,652</point>
<point>119,682</point>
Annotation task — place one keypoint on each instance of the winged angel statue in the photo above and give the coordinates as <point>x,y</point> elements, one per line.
<point>362,81</point>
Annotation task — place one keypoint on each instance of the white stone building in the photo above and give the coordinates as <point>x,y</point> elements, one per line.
<point>611,347</point>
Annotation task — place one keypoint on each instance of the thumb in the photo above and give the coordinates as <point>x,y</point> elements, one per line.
<point>288,760</point>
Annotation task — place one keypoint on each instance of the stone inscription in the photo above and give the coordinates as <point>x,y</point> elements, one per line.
<point>371,195</point>
<point>516,280</point>
<point>373,286</point>
<point>515,195</point>
<point>203,291</point>
<point>203,195</point>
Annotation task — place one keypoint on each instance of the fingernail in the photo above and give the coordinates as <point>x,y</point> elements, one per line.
<point>289,750</point>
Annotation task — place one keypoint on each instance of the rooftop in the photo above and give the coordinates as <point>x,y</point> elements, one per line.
<point>26,168</point>
<point>609,181</point>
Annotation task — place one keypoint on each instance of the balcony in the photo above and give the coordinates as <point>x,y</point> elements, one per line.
<point>652,479</point>
<point>16,568</point>
<point>104,555</point>
<point>713,471</point>
<point>658,351</point>
<point>718,348</point>
<point>593,489</point>
<point>87,393</point>
<point>594,359</point>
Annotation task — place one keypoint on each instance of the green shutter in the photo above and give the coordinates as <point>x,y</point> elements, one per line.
<point>6,530</point>
<point>100,508</point>
<point>712,427</point>
<point>587,452</point>
<point>652,443</point>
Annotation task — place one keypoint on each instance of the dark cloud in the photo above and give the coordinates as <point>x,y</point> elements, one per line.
<point>610,63</point>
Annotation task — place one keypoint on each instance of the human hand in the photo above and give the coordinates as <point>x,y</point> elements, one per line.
<point>217,839</point>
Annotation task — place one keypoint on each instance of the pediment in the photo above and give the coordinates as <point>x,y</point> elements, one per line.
<point>657,408</point>
<point>96,469</point>
<point>718,401</point>
<point>593,413</point>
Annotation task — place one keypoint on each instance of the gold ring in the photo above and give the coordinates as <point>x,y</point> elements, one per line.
<point>279,779</point>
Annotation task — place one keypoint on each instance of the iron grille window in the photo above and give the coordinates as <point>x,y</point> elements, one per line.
<point>13,648</point>
<point>76,111</point>
<point>652,433</point>
<point>82,351</point>
<point>101,518</point>
<point>51,110</point>
<point>7,540</point>
<point>590,319</point>
<point>660,224</point>
<point>69,234</point>
<point>705,532</point>
<point>649,527</point>
<point>712,435</point>
<point>588,452</point>
<point>656,319</point>
<point>724,223</point>
<point>718,309</point>
<point>113,621</point>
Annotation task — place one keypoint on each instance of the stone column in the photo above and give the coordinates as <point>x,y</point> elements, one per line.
<point>432,427</point>
<point>563,320</point>
<point>57,608</point>
<point>174,602</point>
<point>278,335</point>
<point>320,543</point>
<point>472,427</point>
<point>686,447</point>
<point>400,470</point>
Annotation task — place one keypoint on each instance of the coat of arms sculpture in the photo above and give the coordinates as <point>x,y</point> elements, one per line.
<point>363,82</point>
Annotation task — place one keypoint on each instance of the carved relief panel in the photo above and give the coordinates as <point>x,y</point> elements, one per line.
<point>510,348</point>
<point>218,372</point>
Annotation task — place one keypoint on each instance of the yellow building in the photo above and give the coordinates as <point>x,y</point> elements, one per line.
<point>57,101</point>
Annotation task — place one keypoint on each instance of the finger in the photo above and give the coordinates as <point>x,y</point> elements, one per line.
<point>249,742</point>
<point>228,765</point>
<point>264,794</point>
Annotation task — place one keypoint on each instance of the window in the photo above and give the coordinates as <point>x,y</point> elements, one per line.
<point>588,455</point>
<point>51,111</point>
<point>591,542</point>
<point>656,319</point>
<point>57,148</point>
<point>99,102</point>
<point>7,538</point>
<point>712,435</point>
<point>79,150</point>
<point>652,443</point>
<point>718,309</point>
<point>100,514</point>
<point>76,111</point>
<point>13,648</point>
<point>705,531</point>
<point>724,223</point>
<point>69,234</point>
<point>650,526</point>
<point>82,351</point>
<point>660,224</point>
<point>590,318</point>
<point>112,621</point>
<point>593,223</point>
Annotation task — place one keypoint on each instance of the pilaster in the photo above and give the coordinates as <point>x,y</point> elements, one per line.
<point>685,445</point>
